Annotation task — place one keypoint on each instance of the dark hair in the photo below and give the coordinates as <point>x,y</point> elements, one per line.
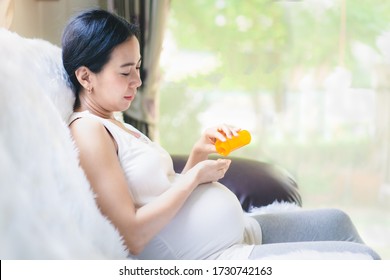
<point>89,39</point>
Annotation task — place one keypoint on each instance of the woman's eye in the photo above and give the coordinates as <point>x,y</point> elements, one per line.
<point>125,74</point>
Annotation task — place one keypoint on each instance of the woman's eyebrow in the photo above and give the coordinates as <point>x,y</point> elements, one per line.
<point>130,63</point>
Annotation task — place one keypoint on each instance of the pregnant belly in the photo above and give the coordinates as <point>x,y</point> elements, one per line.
<point>210,221</point>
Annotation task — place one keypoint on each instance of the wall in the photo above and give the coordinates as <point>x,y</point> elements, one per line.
<point>46,18</point>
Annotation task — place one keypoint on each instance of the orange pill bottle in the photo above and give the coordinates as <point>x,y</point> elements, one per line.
<point>225,148</point>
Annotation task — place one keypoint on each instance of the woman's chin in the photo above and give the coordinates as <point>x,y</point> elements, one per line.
<point>125,106</point>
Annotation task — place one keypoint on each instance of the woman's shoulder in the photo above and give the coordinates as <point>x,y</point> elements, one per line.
<point>88,132</point>
<point>84,123</point>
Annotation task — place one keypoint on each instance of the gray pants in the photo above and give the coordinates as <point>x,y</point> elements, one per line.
<point>325,230</point>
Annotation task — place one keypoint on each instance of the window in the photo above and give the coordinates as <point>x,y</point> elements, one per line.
<point>309,79</point>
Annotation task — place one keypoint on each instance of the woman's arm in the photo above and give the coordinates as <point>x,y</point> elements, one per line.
<point>206,144</point>
<point>99,160</point>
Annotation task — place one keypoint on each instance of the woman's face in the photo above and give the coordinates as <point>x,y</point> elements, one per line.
<point>115,86</point>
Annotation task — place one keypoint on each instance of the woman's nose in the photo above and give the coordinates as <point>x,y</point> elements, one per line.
<point>136,80</point>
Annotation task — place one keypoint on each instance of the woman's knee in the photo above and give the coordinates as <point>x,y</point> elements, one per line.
<point>341,222</point>
<point>338,216</point>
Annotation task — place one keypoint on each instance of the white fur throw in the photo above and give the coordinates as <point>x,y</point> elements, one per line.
<point>47,210</point>
<point>274,207</point>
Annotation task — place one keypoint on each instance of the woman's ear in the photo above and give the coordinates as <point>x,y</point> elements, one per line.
<point>83,75</point>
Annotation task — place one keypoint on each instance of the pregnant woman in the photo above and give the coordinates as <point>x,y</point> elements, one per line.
<point>161,214</point>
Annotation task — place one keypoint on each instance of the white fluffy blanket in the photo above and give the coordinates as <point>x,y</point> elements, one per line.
<point>47,210</point>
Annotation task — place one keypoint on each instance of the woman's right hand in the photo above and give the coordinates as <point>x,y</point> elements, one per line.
<point>208,171</point>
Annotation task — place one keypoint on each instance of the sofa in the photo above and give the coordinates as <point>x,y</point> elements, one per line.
<point>47,208</point>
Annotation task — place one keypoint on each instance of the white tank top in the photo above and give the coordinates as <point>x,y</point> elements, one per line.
<point>211,223</point>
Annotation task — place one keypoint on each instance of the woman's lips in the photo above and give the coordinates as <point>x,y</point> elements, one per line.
<point>130,98</point>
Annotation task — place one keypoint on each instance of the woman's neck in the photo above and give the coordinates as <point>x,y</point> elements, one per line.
<point>87,105</point>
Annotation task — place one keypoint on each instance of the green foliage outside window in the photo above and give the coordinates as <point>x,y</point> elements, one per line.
<point>333,139</point>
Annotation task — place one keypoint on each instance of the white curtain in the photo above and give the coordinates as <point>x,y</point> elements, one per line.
<point>6,13</point>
